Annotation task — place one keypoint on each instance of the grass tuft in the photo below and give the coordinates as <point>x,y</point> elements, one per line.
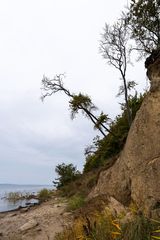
<point>44,194</point>
<point>76,202</point>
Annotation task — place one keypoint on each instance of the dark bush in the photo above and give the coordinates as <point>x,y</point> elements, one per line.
<point>66,173</point>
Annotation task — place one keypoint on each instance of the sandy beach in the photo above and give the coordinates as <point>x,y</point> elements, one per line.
<point>40,222</point>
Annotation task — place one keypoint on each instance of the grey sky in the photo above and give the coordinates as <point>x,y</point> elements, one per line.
<point>51,37</point>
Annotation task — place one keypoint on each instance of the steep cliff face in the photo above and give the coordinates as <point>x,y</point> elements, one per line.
<point>136,174</point>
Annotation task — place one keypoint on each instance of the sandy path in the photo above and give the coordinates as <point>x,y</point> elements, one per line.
<point>44,221</point>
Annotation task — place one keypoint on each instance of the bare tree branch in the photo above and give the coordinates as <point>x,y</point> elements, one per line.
<point>76,101</point>
<point>113,47</point>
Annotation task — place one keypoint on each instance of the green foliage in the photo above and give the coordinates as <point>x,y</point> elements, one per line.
<point>103,228</point>
<point>102,119</point>
<point>81,186</point>
<point>155,229</point>
<point>76,202</point>
<point>44,194</point>
<point>84,103</point>
<point>66,173</point>
<point>111,145</point>
<point>140,229</point>
<point>144,20</point>
<point>81,102</point>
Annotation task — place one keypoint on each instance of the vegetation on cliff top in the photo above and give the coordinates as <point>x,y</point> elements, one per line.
<point>143,17</point>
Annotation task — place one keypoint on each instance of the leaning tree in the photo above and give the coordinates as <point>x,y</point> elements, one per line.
<point>77,102</point>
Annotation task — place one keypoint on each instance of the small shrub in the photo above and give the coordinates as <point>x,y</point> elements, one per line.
<point>139,229</point>
<point>14,196</point>
<point>44,194</point>
<point>75,202</point>
<point>104,227</point>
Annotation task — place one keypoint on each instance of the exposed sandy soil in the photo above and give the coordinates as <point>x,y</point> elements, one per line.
<point>42,221</point>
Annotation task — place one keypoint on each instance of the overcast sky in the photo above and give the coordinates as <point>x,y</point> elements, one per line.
<point>50,37</point>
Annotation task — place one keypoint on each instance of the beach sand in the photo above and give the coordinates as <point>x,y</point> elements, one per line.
<point>40,222</point>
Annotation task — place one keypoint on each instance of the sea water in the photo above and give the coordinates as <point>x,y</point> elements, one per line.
<point>6,205</point>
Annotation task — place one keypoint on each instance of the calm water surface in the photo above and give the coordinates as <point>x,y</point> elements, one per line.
<point>6,188</point>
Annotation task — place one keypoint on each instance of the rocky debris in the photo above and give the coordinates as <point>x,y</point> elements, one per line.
<point>116,208</point>
<point>66,214</point>
<point>136,174</point>
<point>39,223</point>
<point>30,224</point>
<point>119,211</point>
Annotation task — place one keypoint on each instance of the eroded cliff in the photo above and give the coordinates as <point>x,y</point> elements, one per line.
<point>136,174</point>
